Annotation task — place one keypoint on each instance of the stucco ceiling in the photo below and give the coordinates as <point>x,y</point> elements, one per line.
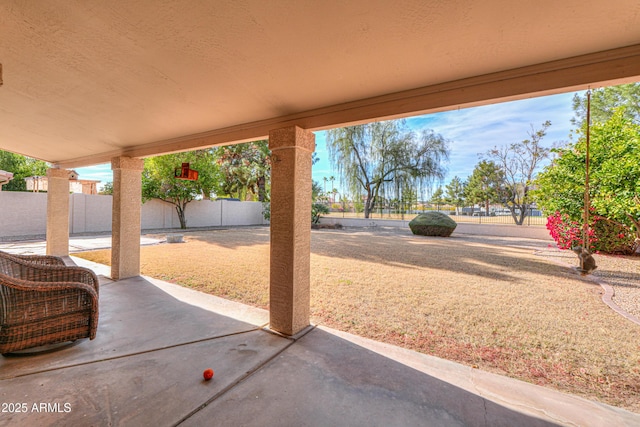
<point>84,80</point>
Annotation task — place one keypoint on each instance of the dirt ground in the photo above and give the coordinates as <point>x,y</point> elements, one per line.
<point>506,305</point>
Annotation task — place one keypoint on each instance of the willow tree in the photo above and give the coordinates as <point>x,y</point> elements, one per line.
<point>369,156</point>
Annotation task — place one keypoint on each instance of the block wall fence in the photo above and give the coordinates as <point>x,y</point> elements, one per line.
<point>25,214</point>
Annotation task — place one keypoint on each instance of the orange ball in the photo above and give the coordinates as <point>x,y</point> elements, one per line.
<point>208,374</point>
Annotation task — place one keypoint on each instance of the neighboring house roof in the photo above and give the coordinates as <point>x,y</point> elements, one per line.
<point>41,183</point>
<point>5,177</point>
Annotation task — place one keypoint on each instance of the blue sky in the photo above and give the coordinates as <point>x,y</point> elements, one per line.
<point>471,131</point>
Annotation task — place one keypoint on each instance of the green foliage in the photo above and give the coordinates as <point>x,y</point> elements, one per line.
<point>315,192</point>
<point>266,210</point>
<point>438,197</point>
<point>483,184</point>
<point>107,189</point>
<point>455,192</point>
<point>245,169</point>
<point>612,237</point>
<point>317,209</point>
<point>605,101</point>
<point>21,167</point>
<point>432,224</point>
<point>614,188</point>
<point>159,182</point>
<point>387,153</point>
<point>358,205</point>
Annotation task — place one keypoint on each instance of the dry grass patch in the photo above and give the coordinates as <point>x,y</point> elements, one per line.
<point>485,302</point>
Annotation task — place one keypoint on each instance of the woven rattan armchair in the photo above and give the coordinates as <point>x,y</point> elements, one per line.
<point>43,301</point>
<point>38,259</point>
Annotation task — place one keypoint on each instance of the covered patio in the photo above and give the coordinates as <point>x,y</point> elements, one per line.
<point>155,339</point>
<point>85,83</point>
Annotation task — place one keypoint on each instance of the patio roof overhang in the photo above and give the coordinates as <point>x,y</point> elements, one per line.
<point>84,82</point>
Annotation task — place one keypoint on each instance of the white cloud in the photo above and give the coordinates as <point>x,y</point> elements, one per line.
<point>473,131</point>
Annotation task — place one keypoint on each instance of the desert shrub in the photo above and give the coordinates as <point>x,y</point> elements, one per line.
<point>266,210</point>
<point>605,236</point>
<point>318,209</point>
<point>613,238</point>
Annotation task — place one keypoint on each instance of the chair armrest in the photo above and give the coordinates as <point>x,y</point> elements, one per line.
<point>19,268</point>
<point>35,286</point>
<point>49,273</point>
<point>41,259</point>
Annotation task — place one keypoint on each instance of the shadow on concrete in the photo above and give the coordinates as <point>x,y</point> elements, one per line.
<point>137,316</point>
<point>155,339</point>
<point>325,380</point>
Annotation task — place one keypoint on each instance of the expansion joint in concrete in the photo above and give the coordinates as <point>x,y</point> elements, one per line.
<point>123,356</point>
<point>249,374</point>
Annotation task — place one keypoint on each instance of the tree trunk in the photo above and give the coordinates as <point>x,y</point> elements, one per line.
<point>369,204</point>
<point>518,219</point>
<point>262,182</point>
<point>367,207</point>
<point>181,217</point>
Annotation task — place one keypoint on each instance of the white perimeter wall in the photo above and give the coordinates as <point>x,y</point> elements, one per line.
<point>25,214</point>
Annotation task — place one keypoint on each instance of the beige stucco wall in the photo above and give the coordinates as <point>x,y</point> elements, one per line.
<point>22,213</point>
<point>89,214</point>
<point>25,214</point>
<point>240,213</point>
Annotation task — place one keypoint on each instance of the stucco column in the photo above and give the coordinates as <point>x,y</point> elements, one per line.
<point>125,218</point>
<point>289,303</point>
<point>58,212</point>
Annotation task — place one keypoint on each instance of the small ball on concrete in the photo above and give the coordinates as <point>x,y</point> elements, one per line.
<point>208,374</point>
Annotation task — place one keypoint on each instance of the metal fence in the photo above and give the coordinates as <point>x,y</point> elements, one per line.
<point>479,218</point>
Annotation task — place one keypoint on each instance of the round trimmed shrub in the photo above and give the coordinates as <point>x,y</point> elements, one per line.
<point>432,224</point>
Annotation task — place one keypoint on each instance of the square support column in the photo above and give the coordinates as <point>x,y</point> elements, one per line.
<point>58,212</point>
<point>125,219</point>
<point>290,267</point>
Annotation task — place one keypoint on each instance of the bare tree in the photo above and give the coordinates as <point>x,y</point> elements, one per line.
<point>518,163</point>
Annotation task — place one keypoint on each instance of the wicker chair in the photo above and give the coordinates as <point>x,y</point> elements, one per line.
<point>43,301</point>
<point>38,259</point>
